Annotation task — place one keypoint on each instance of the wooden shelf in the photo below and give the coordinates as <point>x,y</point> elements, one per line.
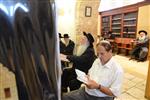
<point>133,25</point>
<point>116,23</point>
<point>129,19</point>
<point>116,33</point>
<point>129,32</point>
<point>116,28</point>
<point>105,24</point>
<point>122,24</point>
<point>129,27</point>
<point>116,19</point>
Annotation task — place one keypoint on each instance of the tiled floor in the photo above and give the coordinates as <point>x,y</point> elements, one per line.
<point>138,69</point>
<point>133,88</point>
<point>134,79</point>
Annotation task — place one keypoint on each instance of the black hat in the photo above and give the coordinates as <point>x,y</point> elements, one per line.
<point>60,35</point>
<point>66,36</point>
<point>89,37</point>
<point>109,32</point>
<point>143,32</point>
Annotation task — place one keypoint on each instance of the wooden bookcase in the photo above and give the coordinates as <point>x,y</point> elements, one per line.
<point>129,24</point>
<point>116,24</point>
<point>122,21</point>
<point>122,25</point>
<point>105,23</point>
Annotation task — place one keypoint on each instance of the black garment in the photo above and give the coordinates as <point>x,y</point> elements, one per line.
<point>62,46</point>
<point>28,47</point>
<point>83,63</point>
<point>137,49</point>
<point>135,52</point>
<point>67,50</point>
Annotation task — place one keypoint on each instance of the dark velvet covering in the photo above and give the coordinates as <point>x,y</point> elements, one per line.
<point>29,48</point>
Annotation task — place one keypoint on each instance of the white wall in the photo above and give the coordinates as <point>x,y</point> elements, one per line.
<point>112,4</point>
<point>66,17</point>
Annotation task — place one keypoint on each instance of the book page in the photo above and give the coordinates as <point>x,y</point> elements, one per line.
<point>81,76</point>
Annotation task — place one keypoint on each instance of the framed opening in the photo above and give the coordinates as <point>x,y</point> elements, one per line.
<point>7,92</point>
<point>88,11</point>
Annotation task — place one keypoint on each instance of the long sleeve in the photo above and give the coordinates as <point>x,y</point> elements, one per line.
<point>83,62</point>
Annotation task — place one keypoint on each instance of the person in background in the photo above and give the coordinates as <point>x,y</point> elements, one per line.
<point>141,47</point>
<point>104,79</point>
<point>61,44</point>
<point>108,35</point>
<point>61,47</point>
<point>69,47</point>
<point>104,35</point>
<point>111,35</point>
<point>82,60</point>
<point>99,38</point>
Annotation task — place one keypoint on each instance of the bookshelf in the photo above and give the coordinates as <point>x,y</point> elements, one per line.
<point>122,25</point>
<point>116,25</point>
<point>105,24</point>
<point>129,25</point>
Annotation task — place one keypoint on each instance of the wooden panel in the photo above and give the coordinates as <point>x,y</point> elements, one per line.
<point>121,25</point>
<point>124,43</point>
<point>120,10</point>
<point>147,91</point>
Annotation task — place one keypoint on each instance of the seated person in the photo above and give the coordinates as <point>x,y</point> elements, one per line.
<point>108,35</point>
<point>82,60</point>
<point>140,50</point>
<point>104,79</point>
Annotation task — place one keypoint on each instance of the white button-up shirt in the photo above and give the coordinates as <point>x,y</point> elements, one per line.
<point>109,75</point>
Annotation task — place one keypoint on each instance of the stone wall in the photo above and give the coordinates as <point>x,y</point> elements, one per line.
<point>8,89</point>
<point>83,23</point>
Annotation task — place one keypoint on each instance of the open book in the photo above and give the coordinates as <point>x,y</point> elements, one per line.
<point>81,76</point>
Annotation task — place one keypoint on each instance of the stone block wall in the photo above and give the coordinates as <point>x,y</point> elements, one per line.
<point>83,23</point>
<point>8,89</point>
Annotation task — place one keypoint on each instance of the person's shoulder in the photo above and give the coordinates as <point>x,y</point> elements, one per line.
<point>147,37</point>
<point>62,43</point>
<point>90,49</point>
<point>72,42</point>
<point>117,65</point>
<point>97,61</point>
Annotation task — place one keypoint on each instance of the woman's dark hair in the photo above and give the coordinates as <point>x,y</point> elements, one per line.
<point>105,44</point>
